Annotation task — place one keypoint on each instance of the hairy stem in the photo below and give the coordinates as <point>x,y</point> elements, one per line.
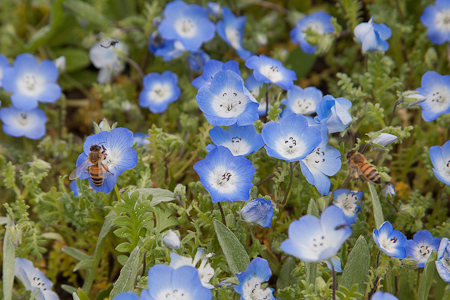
<point>117,192</point>
<point>222,213</point>
<point>334,279</point>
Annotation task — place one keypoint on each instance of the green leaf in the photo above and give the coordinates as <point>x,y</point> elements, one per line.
<point>76,59</point>
<point>286,279</point>
<point>159,195</point>
<point>164,219</point>
<point>313,209</point>
<point>128,274</point>
<point>233,250</point>
<point>68,288</point>
<point>9,254</point>
<point>82,295</point>
<point>87,12</point>
<point>357,268</point>
<point>75,253</point>
<point>427,277</point>
<point>377,210</point>
<point>124,247</point>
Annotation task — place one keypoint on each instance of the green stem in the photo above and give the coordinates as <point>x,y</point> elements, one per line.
<point>222,213</point>
<point>334,279</point>
<point>117,192</point>
<point>291,166</point>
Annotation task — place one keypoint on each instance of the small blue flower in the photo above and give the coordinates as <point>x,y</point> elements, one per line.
<point>3,64</point>
<point>421,246</point>
<point>390,241</point>
<point>269,70</point>
<point>389,190</point>
<point>383,296</point>
<point>384,139</point>
<point>27,123</point>
<point>312,239</point>
<point>250,281</point>
<point>347,201</point>
<point>141,139</point>
<point>334,113</point>
<point>440,157</point>
<point>108,60</point>
<point>336,261</point>
<point>443,260</point>
<point>33,279</point>
<point>373,36</point>
<point>159,91</point>
<point>126,296</point>
<point>163,48</point>
<point>74,187</point>
<point>213,8</point>
<point>240,140</point>
<point>225,177</point>
<point>436,89</point>
<point>197,60</point>
<point>120,156</point>
<point>291,139</point>
<point>31,82</point>
<point>226,101</point>
<point>319,22</point>
<point>435,18</point>
<point>302,101</point>
<point>253,86</point>
<point>231,30</point>
<point>211,68</point>
<point>259,211</point>
<point>188,24</point>
<point>171,239</point>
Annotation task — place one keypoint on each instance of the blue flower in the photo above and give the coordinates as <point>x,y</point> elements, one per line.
<point>347,201</point>
<point>440,157</point>
<point>250,281</point>
<point>120,156</point>
<point>126,296</point>
<point>336,261</point>
<point>141,139</point>
<point>226,101</point>
<point>436,89</point>
<point>225,177</point>
<point>183,282</point>
<point>3,64</point>
<point>443,260</point>
<point>389,190</point>
<point>324,161</point>
<point>302,101</point>
<point>108,60</point>
<point>312,239</point>
<point>383,296</point>
<point>269,70</point>
<point>197,60</point>
<point>31,82</point>
<point>159,91</point>
<point>319,22</point>
<point>259,211</point>
<point>291,139</point>
<point>231,30</point>
<point>384,139</point>
<point>171,239</point>
<point>188,24</point>
<point>213,8</point>
<point>74,187</point>
<point>421,246</point>
<point>27,123</point>
<point>334,113</point>
<point>435,18</point>
<point>253,86</point>
<point>373,36</point>
<point>211,68</point>
<point>240,140</point>
<point>390,241</point>
<point>33,279</point>
<point>163,48</point>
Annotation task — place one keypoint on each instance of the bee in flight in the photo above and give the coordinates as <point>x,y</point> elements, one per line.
<point>358,163</point>
<point>111,43</point>
<point>97,170</point>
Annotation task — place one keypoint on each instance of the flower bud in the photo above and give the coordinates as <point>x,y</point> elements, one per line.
<point>384,139</point>
<point>259,211</point>
<point>389,190</point>
<point>171,240</point>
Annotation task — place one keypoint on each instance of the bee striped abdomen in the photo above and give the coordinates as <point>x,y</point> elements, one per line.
<point>370,173</point>
<point>96,175</point>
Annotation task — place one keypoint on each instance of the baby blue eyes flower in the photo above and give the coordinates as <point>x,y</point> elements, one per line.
<point>171,240</point>
<point>27,123</point>
<point>440,157</point>
<point>141,139</point>
<point>421,246</point>
<point>269,70</point>
<point>74,188</point>
<point>188,24</point>
<point>259,211</point>
<point>231,30</point>
<point>334,113</point>
<point>250,281</point>
<point>31,82</point>
<point>108,60</point>
<point>3,64</point>
<point>120,156</point>
<point>302,101</point>
<point>211,68</point>
<point>291,139</point>
<point>253,86</point>
<point>319,22</point>
<point>443,260</point>
<point>197,60</point>
<point>347,201</point>
<point>240,140</point>
<point>383,296</point>
<point>391,242</point>
<point>373,36</point>
<point>33,279</point>
<point>226,101</point>
<point>159,91</point>
<point>312,239</point>
<point>389,190</point>
<point>384,139</point>
<point>225,177</point>
<point>436,89</point>
<point>435,18</point>
<point>213,8</point>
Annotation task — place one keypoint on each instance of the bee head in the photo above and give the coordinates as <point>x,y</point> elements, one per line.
<point>350,153</point>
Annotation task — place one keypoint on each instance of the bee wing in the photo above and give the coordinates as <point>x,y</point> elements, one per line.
<point>79,170</point>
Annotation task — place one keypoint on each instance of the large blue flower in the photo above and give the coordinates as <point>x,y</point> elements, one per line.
<point>443,260</point>
<point>120,156</point>
<point>240,140</point>
<point>390,241</point>
<point>269,70</point>
<point>197,60</point>
<point>348,201</point>
<point>334,113</point>
<point>313,240</point>
<point>440,157</point>
<point>159,91</point>
<point>253,86</point>
<point>319,22</point>
<point>421,246</point>
<point>436,89</point>
<point>226,101</point>
<point>435,18</point>
<point>302,101</point>
<point>225,177</point>
<point>31,82</point>
<point>291,139</point>
<point>259,211</point>
<point>27,123</point>
<point>373,36</point>
<point>211,68</point>
<point>250,281</point>
<point>231,30</point>
<point>188,24</point>
<point>3,64</point>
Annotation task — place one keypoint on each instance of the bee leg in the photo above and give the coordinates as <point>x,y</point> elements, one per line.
<point>349,177</point>
<point>106,169</point>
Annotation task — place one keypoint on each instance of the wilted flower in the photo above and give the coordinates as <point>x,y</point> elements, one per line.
<point>269,70</point>
<point>27,123</point>
<point>171,239</point>
<point>197,60</point>
<point>421,246</point>
<point>436,89</point>
<point>391,242</point>
<point>253,86</point>
<point>159,91</point>
<point>108,60</point>
<point>302,101</point>
<point>336,261</point>
<point>334,113</point>
<point>383,296</point>
<point>440,157</point>
<point>231,30</point>
<point>3,64</point>
<point>211,68</point>
<point>250,281</point>
<point>443,260</point>
<point>259,211</point>
<point>347,201</point>
<point>384,139</point>
<point>435,18</point>
<point>373,36</point>
<point>389,190</point>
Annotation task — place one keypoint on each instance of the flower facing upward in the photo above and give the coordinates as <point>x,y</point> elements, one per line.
<point>440,157</point>
<point>259,211</point>
<point>302,101</point>
<point>231,30</point>
<point>251,279</point>
<point>436,19</point>
<point>373,36</point>
<point>269,70</point>
<point>211,68</point>
<point>347,201</point>
<point>436,89</point>
<point>390,241</point>
<point>3,64</point>
<point>334,113</point>
<point>27,123</point>
<point>31,82</point>
<point>225,177</point>
<point>108,60</point>
<point>421,246</point>
<point>443,260</point>
<point>159,91</point>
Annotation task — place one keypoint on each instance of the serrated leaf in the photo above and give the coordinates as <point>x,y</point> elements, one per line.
<point>75,253</point>
<point>377,210</point>
<point>123,232</point>
<point>159,195</point>
<point>357,268</point>
<point>128,274</point>
<point>427,277</point>
<point>164,219</point>
<point>285,278</point>
<point>123,221</point>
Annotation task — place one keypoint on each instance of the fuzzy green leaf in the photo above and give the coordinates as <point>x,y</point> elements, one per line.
<point>75,253</point>
<point>377,210</point>
<point>9,254</point>
<point>128,274</point>
<point>357,268</point>
<point>159,195</point>
<point>286,279</point>
<point>427,277</point>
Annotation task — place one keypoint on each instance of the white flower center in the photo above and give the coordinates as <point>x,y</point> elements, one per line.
<point>271,72</point>
<point>304,106</point>
<point>238,146</point>
<point>160,92</point>
<point>173,295</point>
<point>223,180</point>
<point>37,282</point>
<point>290,147</point>
<point>30,84</point>
<point>315,26</point>
<point>423,252</point>
<point>443,20</point>
<point>229,104</point>
<point>348,204</point>
<point>319,244</point>
<point>315,158</point>
<point>112,158</point>
<point>439,99</point>
<point>252,290</point>
<point>186,28</point>
<point>23,120</point>
<point>233,37</point>
<point>388,244</point>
